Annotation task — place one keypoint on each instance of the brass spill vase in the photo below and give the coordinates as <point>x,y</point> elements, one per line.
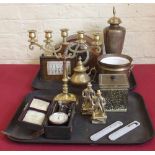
<point>114,35</point>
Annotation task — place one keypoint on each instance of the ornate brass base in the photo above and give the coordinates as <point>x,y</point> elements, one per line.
<point>99,119</point>
<point>65,97</point>
<point>87,109</point>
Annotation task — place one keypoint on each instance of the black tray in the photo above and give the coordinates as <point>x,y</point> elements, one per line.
<point>82,128</point>
<point>39,83</point>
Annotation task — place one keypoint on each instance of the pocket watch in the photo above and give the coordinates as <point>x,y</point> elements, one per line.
<point>58,118</point>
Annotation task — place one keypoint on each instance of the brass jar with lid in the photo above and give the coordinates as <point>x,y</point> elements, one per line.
<point>114,35</point>
<point>80,76</point>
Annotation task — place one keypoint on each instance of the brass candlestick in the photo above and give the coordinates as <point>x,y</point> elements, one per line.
<point>65,96</point>
<point>96,44</point>
<point>80,46</point>
<point>49,47</point>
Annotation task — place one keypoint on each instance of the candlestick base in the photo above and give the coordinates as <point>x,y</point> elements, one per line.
<point>65,97</point>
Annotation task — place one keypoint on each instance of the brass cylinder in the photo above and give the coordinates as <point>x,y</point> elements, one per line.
<point>114,35</point>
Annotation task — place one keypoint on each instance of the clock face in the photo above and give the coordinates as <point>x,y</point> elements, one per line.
<point>56,67</point>
<point>58,118</point>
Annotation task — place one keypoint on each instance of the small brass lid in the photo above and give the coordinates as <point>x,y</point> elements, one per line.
<point>79,66</point>
<point>114,20</point>
<point>113,81</point>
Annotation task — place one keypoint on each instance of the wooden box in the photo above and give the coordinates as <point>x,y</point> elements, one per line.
<point>60,131</point>
<point>27,108</point>
<point>52,68</point>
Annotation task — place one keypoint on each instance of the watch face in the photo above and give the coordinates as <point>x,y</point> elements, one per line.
<point>58,118</point>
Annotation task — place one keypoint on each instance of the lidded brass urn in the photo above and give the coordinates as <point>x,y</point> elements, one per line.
<point>114,35</point>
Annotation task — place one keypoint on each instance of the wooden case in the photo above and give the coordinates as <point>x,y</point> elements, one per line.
<point>60,131</point>
<point>29,125</point>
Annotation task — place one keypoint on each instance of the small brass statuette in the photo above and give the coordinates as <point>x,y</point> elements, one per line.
<point>99,116</point>
<point>88,94</point>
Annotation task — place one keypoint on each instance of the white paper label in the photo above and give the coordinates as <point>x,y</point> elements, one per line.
<point>56,67</point>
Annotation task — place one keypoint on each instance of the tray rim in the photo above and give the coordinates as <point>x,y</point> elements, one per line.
<point>41,80</point>
<point>68,143</point>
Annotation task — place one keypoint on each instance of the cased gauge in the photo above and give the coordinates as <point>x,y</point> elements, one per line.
<point>58,118</point>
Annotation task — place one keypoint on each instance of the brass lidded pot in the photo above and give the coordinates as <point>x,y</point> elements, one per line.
<point>114,35</point>
<point>114,64</point>
<point>80,77</point>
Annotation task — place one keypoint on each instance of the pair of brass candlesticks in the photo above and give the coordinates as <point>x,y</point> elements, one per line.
<point>65,51</point>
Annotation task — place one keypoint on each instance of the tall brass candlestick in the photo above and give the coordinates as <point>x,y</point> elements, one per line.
<point>65,96</point>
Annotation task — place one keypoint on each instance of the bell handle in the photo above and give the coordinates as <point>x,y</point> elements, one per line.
<point>94,74</point>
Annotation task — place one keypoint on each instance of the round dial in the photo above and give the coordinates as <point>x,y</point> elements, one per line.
<point>58,118</point>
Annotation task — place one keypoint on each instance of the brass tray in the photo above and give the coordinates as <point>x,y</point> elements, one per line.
<point>83,129</point>
<point>39,83</point>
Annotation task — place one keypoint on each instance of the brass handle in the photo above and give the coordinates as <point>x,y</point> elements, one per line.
<point>94,74</point>
<point>130,70</point>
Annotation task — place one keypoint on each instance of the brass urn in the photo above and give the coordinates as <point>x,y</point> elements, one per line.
<point>114,35</point>
<point>80,76</point>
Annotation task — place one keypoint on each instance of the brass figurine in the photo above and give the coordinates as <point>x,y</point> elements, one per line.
<point>98,115</point>
<point>88,95</point>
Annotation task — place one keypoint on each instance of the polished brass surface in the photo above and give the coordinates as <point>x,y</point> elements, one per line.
<point>80,77</point>
<point>114,20</point>
<point>114,69</point>
<point>110,81</point>
<point>80,35</point>
<point>98,115</point>
<point>114,35</point>
<point>64,34</point>
<point>96,39</point>
<point>48,48</point>
<point>80,67</point>
<point>65,96</point>
<point>48,34</point>
<point>87,105</point>
<point>32,36</point>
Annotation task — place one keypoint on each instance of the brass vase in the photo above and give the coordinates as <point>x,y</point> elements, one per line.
<point>114,35</point>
